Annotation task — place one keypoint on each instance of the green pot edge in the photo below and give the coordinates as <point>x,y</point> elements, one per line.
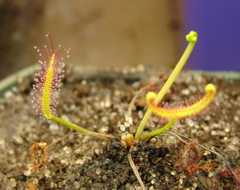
<point>13,79</point>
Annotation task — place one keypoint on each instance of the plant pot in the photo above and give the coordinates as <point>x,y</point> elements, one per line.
<point>98,100</point>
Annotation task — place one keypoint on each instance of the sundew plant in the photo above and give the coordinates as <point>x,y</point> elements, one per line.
<point>50,73</point>
<point>46,89</point>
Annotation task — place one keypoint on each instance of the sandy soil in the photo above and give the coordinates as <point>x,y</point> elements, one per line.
<point>99,101</point>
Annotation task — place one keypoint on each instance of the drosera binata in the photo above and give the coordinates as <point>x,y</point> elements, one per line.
<point>51,72</point>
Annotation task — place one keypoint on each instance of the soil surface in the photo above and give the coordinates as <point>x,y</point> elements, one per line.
<point>99,101</point>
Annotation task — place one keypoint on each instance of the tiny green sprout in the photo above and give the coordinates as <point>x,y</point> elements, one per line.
<point>46,89</point>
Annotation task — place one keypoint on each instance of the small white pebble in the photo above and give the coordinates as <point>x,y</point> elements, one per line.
<point>84,82</point>
<point>47,173</point>
<point>54,127</point>
<point>153,181</point>
<point>67,149</point>
<point>11,151</point>
<point>122,128</point>
<point>185,92</point>
<point>65,117</point>
<point>97,151</point>
<point>18,139</point>
<point>80,161</point>
<point>213,133</point>
<point>227,130</point>
<point>64,161</point>
<point>151,188</point>
<point>140,114</point>
<point>8,94</point>
<point>98,171</point>
<point>27,172</point>
<point>126,124</point>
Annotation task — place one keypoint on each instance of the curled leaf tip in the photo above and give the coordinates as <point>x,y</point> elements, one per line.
<point>210,87</point>
<point>174,113</point>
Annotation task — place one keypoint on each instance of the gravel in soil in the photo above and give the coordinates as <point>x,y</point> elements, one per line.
<point>99,102</point>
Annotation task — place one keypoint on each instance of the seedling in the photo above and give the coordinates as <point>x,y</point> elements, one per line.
<point>192,39</point>
<point>50,73</point>
<point>46,89</point>
<point>173,114</point>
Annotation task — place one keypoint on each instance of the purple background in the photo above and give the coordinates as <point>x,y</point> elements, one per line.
<point>218,26</point>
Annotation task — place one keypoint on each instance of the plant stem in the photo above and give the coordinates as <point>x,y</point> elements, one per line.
<point>81,129</point>
<point>159,131</point>
<point>191,38</point>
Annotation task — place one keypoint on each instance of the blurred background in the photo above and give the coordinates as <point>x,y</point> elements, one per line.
<point>121,33</point>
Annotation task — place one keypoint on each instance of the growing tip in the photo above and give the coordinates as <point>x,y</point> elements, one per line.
<point>210,87</point>
<point>192,37</point>
<point>174,113</point>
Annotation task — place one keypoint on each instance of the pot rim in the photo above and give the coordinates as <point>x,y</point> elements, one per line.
<point>15,78</point>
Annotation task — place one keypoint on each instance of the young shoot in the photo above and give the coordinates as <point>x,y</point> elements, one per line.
<point>173,114</point>
<point>192,39</point>
<point>46,91</point>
